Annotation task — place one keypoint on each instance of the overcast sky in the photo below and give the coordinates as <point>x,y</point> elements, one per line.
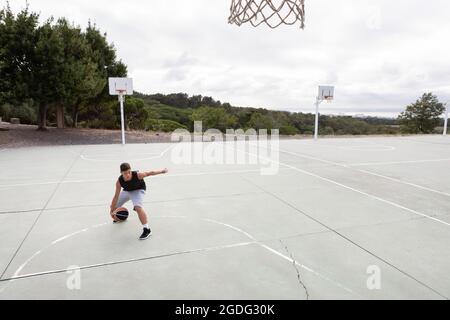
<point>380,54</point>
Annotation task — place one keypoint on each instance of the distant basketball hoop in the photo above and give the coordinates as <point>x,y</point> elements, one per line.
<point>121,87</point>
<point>326,93</point>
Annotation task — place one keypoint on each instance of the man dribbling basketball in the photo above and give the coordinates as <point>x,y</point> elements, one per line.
<point>134,189</point>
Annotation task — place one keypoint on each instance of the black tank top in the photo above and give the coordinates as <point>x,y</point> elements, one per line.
<point>133,184</point>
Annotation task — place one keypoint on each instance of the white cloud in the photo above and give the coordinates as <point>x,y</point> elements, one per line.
<point>380,54</point>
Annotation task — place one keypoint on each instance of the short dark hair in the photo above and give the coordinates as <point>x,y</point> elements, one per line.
<point>125,167</point>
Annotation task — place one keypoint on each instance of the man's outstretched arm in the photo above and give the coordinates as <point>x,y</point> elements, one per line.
<point>143,175</point>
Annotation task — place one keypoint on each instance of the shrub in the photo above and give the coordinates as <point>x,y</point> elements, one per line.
<point>289,130</point>
<point>26,112</point>
<point>163,125</point>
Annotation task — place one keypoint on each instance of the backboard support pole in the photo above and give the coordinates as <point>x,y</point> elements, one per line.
<point>446,121</point>
<point>316,127</point>
<point>122,117</point>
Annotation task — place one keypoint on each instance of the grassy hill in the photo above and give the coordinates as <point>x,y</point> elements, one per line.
<point>165,113</point>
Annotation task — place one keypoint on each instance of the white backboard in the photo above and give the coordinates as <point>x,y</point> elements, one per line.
<point>326,93</point>
<point>120,84</point>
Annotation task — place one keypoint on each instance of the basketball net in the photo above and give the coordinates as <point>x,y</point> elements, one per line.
<point>121,94</point>
<point>271,12</point>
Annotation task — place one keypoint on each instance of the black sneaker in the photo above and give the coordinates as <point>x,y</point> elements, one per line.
<point>145,234</point>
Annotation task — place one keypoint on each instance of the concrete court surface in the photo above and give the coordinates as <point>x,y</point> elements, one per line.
<point>359,218</point>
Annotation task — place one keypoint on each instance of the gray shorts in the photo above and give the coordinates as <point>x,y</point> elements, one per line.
<point>137,197</point>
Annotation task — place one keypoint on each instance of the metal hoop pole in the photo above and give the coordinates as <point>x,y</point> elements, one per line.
<point>316,128</point>
<point>122,118</point>
<point>446,121</point>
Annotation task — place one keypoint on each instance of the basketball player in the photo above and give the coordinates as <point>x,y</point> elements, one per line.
<point>134,189</point>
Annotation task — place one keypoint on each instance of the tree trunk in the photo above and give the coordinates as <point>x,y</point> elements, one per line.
<point>75,117</point>
<point>75,121</point>
<point>60,116</point>
<point>75,113</point>
<point>42,117</point>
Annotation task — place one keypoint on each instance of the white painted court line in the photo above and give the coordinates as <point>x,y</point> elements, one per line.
<point>346,238</point>
<point>159,155</point>
<point>349,188</point>
<point>365,171</point>
<point>374,147</point>
<point>168,176</point>
<point>405,182</point>
<point>120,153</point>
<point>17,275</point>
<point>273,251</point>
<point>10,186</point>
<point>396,162</point>
<point>105,205</point>
<point>38,216</point>
<point>29,275</point>
<point>368,195</point>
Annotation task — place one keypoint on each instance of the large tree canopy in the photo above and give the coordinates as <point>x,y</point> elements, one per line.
<point>423,116</point>
<point>18,37</point>
<point>57,65</point>
<point>214,118</point>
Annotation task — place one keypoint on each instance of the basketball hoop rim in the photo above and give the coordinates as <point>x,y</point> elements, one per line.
<point>327,99</point>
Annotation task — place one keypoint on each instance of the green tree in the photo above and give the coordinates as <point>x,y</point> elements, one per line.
<point>81,77</point>
<point>243,115</point>
<point>289,130</point>
<point>103,55</point>
<point>48,71</point>
<point>136,114</point>
<point>214,118</point>
<point>163,125</point>
<point>54,65</point>
<point>261,121</point>
<point>17,42</point>
<point>423,115</point>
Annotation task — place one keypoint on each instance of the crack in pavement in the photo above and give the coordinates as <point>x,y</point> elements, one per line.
<point>346,238</point>
<point>301,283</point>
